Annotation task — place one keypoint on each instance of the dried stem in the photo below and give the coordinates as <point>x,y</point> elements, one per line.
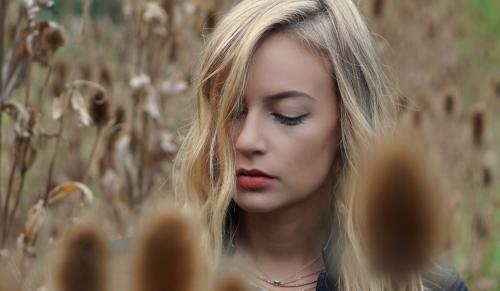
<point>28,85</point>
<point>53,160</point>
<point>26,144</point>
<point>92,153</point>
<point>142,156</point>
<point>9,191</point>
<point>3,8</point>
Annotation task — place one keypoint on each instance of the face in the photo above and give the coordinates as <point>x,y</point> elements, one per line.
<point>288,126</point>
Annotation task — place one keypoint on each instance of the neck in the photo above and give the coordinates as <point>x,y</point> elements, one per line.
<point>285,239</point>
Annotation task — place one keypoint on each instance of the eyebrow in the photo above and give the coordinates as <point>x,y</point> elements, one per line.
<point>286,94</point>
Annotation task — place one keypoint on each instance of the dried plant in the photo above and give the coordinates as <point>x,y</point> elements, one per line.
<point>399,207</point>
<point>478,127</point>
<point>168,254</point>
<point>84,261</point>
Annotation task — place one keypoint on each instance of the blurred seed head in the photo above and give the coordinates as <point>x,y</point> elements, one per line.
<point>378,7</point>
<point>167,254</point>
<point>450,103</point>
<point>478,127</point>
<point>480,225</point>
<point>44,40</point>
<point>496,88</point>
<point>84,261</point>
<point>230,283</point>
<point>399,208</point>
<point>99,109</point>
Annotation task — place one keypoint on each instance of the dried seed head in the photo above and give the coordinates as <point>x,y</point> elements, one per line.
<point>167,255</point>
<point>57,88</point>
<point>398,209</point>
<point>84,262</point>
<point>44,40</point>
<point>450,103</point>
<point>478,127</point>
<point>99,109</point>
<point>496,88</point>
<point>480,225</point>
<point>230,283</point>
<point>378,7</point>
<point>487,176</point>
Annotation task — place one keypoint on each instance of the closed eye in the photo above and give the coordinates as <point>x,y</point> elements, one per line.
<point>289,121</point>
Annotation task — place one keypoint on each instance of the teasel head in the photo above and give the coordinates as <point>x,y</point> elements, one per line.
<point>378,8</point>
<point>480,225</point>
<point>496,88</point>
<point>84,260</point>
<point>397,209</point>
<point>230,283</point>
<point>45,39</point>
<point>167,255</point>
<point>487,176</point>
<point>450,103</point>
<point>478,127</point>
<point>99,109</point>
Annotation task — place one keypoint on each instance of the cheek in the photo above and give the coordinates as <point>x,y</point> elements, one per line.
<point>307,159</point>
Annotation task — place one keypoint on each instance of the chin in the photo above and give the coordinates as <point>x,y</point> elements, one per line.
<point>258,202</point>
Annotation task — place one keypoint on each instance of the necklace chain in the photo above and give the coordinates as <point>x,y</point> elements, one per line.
<point>283,283</point>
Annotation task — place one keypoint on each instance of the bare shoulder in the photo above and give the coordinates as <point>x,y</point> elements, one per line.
<point>444,277</point>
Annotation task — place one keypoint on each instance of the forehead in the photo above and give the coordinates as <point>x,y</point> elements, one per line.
<point>283,63</point>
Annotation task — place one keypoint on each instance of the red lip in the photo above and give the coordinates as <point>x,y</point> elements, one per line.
<point>254,179</point>
<point>253,172</point>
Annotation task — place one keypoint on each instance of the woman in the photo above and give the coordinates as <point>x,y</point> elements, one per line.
<point>287,94</point>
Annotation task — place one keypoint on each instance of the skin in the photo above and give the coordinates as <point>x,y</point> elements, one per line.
<point>284,226</point>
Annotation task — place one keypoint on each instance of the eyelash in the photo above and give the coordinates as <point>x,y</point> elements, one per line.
<point>285,120</point>
<point>289,121</point>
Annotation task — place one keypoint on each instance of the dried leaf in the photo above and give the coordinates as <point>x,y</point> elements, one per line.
<point>139,82</point>
<point>36,217</point>
<point>66,189</point>
<point>167,142</point>
<point>20,115</point>
<point>151,106</point>
<point>78,104</point>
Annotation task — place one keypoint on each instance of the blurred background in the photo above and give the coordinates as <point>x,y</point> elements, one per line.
<point>97,95</point>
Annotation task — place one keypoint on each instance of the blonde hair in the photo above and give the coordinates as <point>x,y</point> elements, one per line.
<point>206,159</point>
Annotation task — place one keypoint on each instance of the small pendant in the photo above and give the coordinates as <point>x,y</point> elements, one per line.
<point>277,283</point>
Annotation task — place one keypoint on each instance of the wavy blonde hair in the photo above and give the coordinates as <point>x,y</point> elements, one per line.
<point>206,159</point>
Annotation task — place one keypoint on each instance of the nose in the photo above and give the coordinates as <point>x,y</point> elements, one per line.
<point>250,139</point>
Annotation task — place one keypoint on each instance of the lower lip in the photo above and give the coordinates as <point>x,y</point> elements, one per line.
<point>254,182</point>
